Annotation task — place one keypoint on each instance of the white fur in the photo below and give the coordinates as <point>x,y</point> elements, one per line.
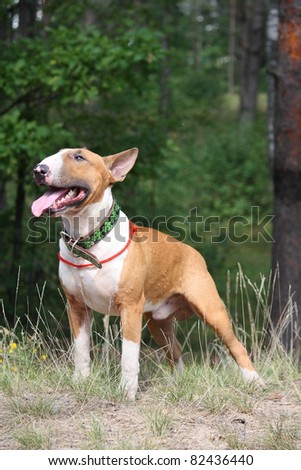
<point>130,368</point>
<point>55,165</point>
<point>250,375</point>
<point>82,351</point>
<point>90,217</point>
<point>164,309</point>
<point>98,287</point>
<point>180,365</point>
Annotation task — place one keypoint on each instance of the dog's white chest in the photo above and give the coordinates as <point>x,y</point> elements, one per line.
<point>97,288</point>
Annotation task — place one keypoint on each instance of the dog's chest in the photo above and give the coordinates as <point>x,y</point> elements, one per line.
<point>96,287</point>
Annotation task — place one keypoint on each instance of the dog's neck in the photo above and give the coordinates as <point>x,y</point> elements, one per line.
<point>89,218</point>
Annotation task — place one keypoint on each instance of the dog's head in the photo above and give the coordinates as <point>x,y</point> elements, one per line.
<point>78,177</point>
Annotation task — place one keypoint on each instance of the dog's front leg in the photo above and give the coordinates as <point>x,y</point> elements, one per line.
<point>79,319</point>
<point>131,320</point>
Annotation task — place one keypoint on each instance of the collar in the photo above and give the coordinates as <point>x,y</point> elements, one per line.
<point>78,247</point>
<point>93,259</point>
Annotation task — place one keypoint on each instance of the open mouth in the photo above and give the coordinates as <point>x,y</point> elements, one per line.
<point>58,199</point>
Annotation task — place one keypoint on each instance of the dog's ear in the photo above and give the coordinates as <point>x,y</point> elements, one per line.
<point>121,163</point>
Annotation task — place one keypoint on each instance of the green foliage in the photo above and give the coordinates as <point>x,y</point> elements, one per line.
<point>19,136</point>
<point>71,66</point>
<point>235,173</point>
<point>61,85</point>
<point>95,74</point>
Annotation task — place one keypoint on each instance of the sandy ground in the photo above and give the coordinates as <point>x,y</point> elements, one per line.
<point>130,425</point>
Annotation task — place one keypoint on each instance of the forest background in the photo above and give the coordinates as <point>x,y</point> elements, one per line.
<point>187,82</point>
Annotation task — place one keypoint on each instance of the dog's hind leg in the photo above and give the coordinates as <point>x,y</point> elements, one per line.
<point>204,299</point>
<point>79,316</point>
<point>163,333</point>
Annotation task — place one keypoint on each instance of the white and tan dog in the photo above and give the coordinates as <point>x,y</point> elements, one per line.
<point>130,271</point>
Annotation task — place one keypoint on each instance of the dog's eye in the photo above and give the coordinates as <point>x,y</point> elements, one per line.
<point>78,157</point>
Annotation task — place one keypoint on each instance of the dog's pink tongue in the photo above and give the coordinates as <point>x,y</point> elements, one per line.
<point>44,202</point>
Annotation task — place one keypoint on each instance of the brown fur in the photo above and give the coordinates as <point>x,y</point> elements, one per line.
<point>156,268</point>
<point>78,312</point>
<point>164,267</point>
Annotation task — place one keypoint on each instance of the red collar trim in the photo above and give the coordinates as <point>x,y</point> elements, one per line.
<point>133,230</point>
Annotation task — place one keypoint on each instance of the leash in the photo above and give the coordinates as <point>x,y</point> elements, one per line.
<point>93,259</point>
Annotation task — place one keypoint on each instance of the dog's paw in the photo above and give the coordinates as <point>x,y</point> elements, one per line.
<point>179,366</point>
<point>80,374</point>
<point>130,397</point>
<point>129,388</point>
<point>252,376</point>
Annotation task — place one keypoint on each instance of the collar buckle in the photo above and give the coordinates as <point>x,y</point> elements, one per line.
<point>70,242</point>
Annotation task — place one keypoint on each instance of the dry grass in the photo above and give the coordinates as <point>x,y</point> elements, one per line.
<point>208,406</point>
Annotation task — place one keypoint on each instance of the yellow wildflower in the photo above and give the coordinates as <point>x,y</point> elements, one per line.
<point>12,347</point>
<point>1,361</point>
<point>44,357</point>
<point>14,369</point>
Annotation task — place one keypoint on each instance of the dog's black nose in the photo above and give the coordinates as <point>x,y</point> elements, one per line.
<point>41,169</point>
<point>39,172</point>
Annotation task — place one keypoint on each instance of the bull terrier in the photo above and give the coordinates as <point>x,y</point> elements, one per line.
<point>111,266</point>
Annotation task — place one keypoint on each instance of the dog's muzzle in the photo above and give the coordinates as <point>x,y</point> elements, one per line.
<point>40,172</point>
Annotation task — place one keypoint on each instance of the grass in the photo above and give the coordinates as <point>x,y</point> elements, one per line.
<point>103,382</point>
<point>159,419</point>
<point>96,433</point>
<point>207,406</point>
<point>31,439</point>
<point>32,406</point>
<point>281,433</point>
<point>278,433</point>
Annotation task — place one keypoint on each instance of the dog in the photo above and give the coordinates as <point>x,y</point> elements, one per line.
<point>109,265</point>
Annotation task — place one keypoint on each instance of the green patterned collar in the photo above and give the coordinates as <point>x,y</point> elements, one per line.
<point>78,247</point>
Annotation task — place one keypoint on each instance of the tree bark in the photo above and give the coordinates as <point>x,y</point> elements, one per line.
<point>4,26</point>
<point>3,198</point>
<point>272,57</point>
<point>27,20</point>
<point>287,168</point>
<point>252,44</point>
<point>232,44</point>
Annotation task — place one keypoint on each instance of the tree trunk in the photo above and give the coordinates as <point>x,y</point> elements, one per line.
<point>252,45</point>
<point>232,44</point>
<point>27,19</point>
<point>287,168</point>
<point>272,55</point>
<point>3,198</point>
<point>4,23</point>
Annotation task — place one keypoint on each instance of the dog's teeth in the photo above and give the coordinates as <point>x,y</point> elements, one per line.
<point>71,193</point>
